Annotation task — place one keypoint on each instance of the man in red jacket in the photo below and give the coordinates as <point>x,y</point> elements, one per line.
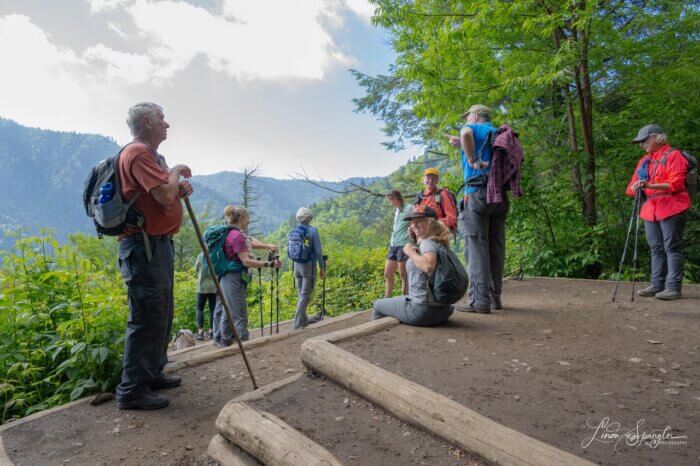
<point>660,173</point>
<point>438,199</point>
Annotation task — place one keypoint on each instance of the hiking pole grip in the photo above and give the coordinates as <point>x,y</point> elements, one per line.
<point>219,292</point>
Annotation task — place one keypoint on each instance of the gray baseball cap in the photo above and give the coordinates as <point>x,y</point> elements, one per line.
<point>647,131</point>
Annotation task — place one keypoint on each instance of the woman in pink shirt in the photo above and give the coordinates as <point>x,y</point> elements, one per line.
<point>234,285</point>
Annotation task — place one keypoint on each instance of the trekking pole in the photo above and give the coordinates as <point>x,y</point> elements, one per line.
<point>219,292</point>
<point>323,295</point>
<point>277,299</point>
<point>260,296</point>
<point>271,257</point>
<point>636,239</point>
<point>627,241</point>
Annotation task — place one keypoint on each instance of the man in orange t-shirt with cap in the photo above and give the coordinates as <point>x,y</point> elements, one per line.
<point>438,199</point>
<point>146,258</point>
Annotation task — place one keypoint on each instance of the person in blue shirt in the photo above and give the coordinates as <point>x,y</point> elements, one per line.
<point>482,224</point>
<point>305,272</point>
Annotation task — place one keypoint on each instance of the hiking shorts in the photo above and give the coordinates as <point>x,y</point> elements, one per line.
<point>396,254</point>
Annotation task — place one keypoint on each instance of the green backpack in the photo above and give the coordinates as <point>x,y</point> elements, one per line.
<point>215,237</point>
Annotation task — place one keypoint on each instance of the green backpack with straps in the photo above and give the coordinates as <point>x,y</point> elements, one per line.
<point>215,237</point>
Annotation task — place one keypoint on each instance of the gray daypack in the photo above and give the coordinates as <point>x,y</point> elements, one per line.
<point>111,218</point>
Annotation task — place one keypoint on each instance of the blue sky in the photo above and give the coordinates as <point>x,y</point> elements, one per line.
<point>242,82</point>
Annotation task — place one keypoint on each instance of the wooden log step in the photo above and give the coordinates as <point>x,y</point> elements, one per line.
<point>431,411</point>
<point>269,439</point>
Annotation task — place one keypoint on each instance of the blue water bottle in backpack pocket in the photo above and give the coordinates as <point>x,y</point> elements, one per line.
<point>106,193</point>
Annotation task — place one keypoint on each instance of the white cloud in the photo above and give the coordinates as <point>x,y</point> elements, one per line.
<point>115,65</point>
<point>361,8</point>
<point>105,5</point>
<point>250,41</point>
<point>42,78</point>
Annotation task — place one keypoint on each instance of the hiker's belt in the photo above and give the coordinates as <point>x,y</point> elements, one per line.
<point>139,236</point>
<point>144,238</point>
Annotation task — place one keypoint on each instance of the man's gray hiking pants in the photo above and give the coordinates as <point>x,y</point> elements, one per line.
<point>305,278</point>
<point>485,231</point>
<point>150,297</point>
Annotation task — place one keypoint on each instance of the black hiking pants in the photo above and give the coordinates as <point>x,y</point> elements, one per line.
<point>151,305</point>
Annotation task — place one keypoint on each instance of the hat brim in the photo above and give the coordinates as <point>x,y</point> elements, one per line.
<point>414,216</point>
<point>464,115</point>
<point>638,140</point>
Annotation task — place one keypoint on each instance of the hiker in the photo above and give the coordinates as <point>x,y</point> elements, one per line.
<point>486,204</point>
<point>305,250</point>
<point>206,294</point>
<point>237,247</point>
<point>438,199</point>
<point>149,279</point>
<point>419,306</point>
<point>661,175</point>
<point>396,259</point>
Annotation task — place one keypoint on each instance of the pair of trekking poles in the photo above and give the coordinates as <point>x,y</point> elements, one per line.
<point>274,291</point>
<point>636,206</point>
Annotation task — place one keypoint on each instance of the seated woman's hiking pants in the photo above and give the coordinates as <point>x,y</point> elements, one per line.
<point>409,313</point>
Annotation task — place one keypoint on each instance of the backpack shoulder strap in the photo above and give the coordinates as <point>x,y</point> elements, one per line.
<point>664,157</point>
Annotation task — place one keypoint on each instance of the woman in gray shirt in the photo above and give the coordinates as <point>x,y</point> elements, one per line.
<point>419,306</point>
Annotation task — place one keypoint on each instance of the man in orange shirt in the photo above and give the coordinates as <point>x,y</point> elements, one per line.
<point>438,199</point>
<point>147,261</point>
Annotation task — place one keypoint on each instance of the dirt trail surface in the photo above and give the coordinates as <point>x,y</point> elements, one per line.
<point>558,356</point>
<point>561,358</point>
<point>356,431</point>
<point>176,435</point>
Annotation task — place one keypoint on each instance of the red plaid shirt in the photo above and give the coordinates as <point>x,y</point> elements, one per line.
<point>505,165</point>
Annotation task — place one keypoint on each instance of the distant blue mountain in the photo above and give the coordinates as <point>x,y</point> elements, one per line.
<point>42,174</point>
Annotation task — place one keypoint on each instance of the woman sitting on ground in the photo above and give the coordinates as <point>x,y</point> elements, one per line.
<point>419,306</point>
<point>234,285</point>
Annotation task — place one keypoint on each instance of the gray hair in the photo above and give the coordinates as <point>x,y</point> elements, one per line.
<point>482,112</point>
<point>138,112</point>
<point>304,215</point>
<point>659,138</point>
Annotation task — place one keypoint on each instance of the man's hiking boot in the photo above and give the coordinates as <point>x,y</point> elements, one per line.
<point>649,292</point>
<point>199,335</point>
<point>496,304</point>
<point>166,381</point>
<point>146,401</point>
<point>668,295</point>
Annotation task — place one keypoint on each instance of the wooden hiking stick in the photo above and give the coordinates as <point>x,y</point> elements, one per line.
<point>205,253</point>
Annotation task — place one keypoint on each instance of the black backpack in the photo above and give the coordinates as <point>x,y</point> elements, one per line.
<point>113,216</point>
<point>450,280</point>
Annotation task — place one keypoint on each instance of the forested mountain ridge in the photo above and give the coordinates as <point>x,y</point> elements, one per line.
<point>42,174</point>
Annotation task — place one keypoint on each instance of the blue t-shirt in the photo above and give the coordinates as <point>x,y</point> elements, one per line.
<point>482,151</point>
